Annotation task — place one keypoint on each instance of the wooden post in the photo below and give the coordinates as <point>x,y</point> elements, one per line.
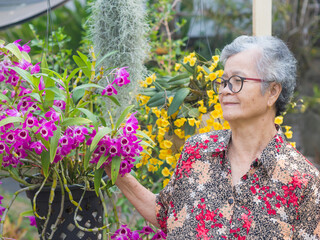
<point>262,18</point>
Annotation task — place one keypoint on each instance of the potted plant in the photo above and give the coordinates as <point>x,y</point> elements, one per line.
<point>53,138</point>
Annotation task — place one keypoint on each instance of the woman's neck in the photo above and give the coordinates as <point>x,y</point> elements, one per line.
<point>249,139</point>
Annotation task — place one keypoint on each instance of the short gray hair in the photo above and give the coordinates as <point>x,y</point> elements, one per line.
<point>276,63</point>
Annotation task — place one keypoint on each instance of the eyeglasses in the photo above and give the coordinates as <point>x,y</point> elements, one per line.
<point>235,83</point>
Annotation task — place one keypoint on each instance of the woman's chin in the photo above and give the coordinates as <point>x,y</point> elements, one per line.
<point>230,116</point>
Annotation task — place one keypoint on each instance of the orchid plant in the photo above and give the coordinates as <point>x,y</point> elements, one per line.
<point>50,129</point>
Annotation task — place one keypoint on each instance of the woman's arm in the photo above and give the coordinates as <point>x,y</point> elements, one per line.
<point>140,197</point>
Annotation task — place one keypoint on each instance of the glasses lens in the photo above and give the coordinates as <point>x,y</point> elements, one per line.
<point>236,83</point>
<point>217,85</point>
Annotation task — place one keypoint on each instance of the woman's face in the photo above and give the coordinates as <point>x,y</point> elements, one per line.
<point>249,103</point>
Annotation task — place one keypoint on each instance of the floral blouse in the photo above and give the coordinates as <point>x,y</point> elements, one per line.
<point>278,198</point>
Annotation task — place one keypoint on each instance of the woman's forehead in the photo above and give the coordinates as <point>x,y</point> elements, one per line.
<point>242,63</point>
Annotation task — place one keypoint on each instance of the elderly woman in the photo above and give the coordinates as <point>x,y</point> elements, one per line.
<point>247,182</point>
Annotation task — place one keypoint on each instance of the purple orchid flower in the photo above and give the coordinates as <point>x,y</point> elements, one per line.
<point>25,65</point>
<point>35,68</point>
<point>53,115</point>
<point>60,104</point>
<point>4,147</point>
<point>46,130</point>
<point>41,84</point>
<point>24,48</point>
<point>122,77</point>
<point>30,121</point>
<point>38,147</point>
<point>109,90</point>
<point>32,220</point>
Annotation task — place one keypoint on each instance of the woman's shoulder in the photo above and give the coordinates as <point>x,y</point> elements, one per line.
<point>297,164</point>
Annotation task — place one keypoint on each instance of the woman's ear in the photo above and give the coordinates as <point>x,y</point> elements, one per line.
<point>274,93</point>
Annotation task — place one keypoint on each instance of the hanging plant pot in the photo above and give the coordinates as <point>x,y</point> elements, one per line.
<point>91,215</point>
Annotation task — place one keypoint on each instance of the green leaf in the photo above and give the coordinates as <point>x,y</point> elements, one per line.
<point>85,60</point>
<point>87,158</point>
<point>81,64</point>
<point>102,159</point>
<point>1,160</point>
<point>83,56</point>
<point>194,112</point>
<point>2,42</point>
<point>59,81</point>
<point>179,77</point>
<point>201,58</point>
<point>88,85</point>
<point>146,144</point>
<point>26,56</point>
<point>4,97</point>
<point>146,152</point>
<point>206,69</point>
<point>188,68</point>
<point>145,136</point>
<point>97,179</point>
<point>123,115</point>
<point>178,100</point>
<point>75,121</point>
<point>14,49</point>
<point>34,95</point>
<point>74,72</point>
<point>11,120</point>
<point>77,95</point>
<point>54,143</point>
<point>13,171</point>
<point>104,57</point>
<point>27,213</point>
<point>113,99</point>
<point>56,92</point>
<point>48,82</point>
<point>25,75</point>
<point>158,103</point>
<point>115,166</point>
<point>45,162</point>
<point>189,130</point>
<point>100,134</point>
<point>217,51</point>
<point>91,116</point>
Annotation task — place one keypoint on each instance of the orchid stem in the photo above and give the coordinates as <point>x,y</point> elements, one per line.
<point>3,218</point>
<point>54,228</point>
<point>51,197</point>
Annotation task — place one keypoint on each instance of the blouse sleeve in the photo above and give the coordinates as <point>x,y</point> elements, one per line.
<point>164,198</point>
<point>308,220</point>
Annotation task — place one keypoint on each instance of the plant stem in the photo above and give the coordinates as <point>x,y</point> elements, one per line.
<point>3,218</point>
<point>105,210</point>
<point>68,190</point>
<point>76,222</point>
<point>51,197</point>
<point>114,208</point>
<point>19,179</point>
<point>54,228</point>
<point>35,198</point>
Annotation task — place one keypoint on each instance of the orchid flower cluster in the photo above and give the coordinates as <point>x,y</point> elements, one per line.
<point>51,123</point>
<point>17,141</point>
<point>125,233</point>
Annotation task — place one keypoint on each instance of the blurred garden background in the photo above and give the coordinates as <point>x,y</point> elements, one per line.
<point>158,40</point>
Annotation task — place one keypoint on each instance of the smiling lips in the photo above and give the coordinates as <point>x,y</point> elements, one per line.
<point>229,103</point>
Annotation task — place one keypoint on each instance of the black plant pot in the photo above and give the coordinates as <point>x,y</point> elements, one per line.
<point>91,215</point>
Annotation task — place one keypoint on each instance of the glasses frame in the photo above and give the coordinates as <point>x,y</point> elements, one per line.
<point>227,82</point>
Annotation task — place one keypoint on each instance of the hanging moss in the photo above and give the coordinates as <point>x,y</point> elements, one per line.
<point>120,25</point>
